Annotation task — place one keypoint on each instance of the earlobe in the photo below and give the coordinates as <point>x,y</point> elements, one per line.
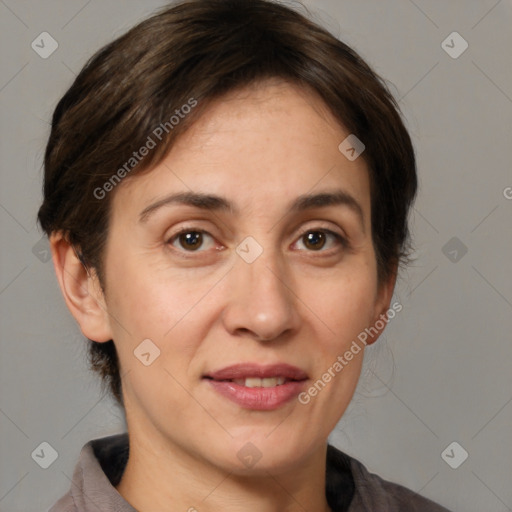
<point>382,304</point>
<point>81,290</point>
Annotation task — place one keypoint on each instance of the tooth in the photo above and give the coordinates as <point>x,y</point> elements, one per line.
<point>256,382</point>
<point>252,382</point>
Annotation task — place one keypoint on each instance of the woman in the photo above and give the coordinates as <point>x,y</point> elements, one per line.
<point>226,196</point>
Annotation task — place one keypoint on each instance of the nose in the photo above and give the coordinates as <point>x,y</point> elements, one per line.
<point>262,303</point>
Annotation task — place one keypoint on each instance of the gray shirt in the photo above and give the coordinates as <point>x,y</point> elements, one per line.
<point>350,487</point>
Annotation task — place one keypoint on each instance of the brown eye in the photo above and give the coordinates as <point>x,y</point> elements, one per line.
<point>192,240</point>
<point>314,240</point>
<point>321,240</point>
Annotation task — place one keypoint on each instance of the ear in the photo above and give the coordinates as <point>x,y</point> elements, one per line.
<point>81,290</point>
<point>382,303</point>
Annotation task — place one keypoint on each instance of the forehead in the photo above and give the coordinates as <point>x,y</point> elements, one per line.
<point>261,147</point>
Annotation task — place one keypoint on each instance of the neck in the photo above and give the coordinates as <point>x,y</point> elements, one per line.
<point>162,476</point>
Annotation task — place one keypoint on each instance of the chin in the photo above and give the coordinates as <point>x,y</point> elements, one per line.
<point>258,452</point>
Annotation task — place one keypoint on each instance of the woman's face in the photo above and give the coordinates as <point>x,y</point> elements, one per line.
<point>259,276</point>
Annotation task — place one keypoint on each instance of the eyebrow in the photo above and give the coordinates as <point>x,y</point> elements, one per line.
<point>214,202</point>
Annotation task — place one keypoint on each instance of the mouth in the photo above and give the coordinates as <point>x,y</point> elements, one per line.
<point>256,382</point>
<point>253,386</point>
<point>253,375</point>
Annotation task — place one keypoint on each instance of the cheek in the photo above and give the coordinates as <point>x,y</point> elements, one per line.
<point>166,308</point>
<point>346,308</point>
<point>345,304</point>
<point>170,314</point>
<point>144,298</point>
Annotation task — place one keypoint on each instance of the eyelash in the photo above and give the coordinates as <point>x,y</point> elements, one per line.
<point>342,241</point>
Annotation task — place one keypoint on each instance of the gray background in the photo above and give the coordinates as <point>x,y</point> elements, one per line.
<point>442,371</point>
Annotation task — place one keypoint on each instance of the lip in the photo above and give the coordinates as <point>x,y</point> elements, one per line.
<point>260,398</point>
<point>243,370</point>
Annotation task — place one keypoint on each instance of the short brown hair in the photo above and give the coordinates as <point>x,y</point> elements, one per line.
<point>201,50</point>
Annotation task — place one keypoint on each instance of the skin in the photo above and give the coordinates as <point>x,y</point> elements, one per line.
<point>298,303</point>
